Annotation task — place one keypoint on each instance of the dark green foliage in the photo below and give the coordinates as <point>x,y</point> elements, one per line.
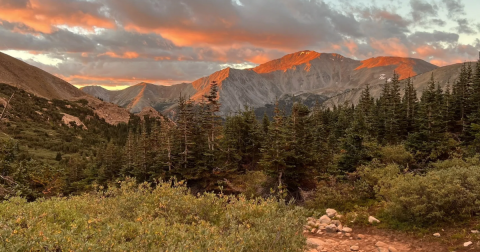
<point>297,149</point>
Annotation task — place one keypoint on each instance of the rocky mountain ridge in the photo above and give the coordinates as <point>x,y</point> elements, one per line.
<point>306,72</point>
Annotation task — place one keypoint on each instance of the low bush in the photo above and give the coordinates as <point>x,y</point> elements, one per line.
<point>142,218</point>
<point>443,195</point>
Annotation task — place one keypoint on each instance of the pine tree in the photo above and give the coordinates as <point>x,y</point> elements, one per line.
<point>276,149</point>
<point>410,105</point>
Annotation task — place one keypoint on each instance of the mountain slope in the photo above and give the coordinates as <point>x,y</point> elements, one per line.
<point>17,73</point>
<point>34,80</point>
<point>443,76</point>
<point>322,74</point>
<point>142,95</point>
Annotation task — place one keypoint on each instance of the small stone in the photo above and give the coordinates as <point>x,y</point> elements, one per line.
<point>436,234</point>
<point>392,249</point>
<point>340,227</point>
<point>354,248</point>
<point>475,232</point>
<point>382,249</point>
<point>348,234</point>
<point>312,224</point>
<point>336,222</point>
<point>319,232</point>
<point>331,228</point>
<point>331,213</point>
<point>351,238</point>
<point>372,219</point>
<point>325,220</point>
<point>466,244</point>
<point>381,244</point>
<point>339,216</point>
<point>347,230</point>
<point>360,236</point>
<point>313,230</point>
<point>314,242</point>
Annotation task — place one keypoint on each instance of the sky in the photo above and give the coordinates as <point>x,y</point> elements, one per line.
<point>118,43</point>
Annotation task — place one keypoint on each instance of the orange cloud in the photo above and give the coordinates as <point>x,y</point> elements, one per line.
<point>440,62</point>
<point>182,36</point>
<point>125,55</point>
<point>87,80</point>
<point>391,46</point>
<point>44,15</point>
<point>259,59</point>
<point>352,46</point>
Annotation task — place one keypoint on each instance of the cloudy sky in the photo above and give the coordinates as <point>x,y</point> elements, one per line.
<point>117,43</point>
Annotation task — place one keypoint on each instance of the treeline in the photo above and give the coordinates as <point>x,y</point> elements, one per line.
<point>297,149</point>
<point>293,151</point>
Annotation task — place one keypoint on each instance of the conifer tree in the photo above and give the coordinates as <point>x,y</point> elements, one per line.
<point>276,149</point>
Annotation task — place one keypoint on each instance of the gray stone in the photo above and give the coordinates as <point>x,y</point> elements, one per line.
<point>331,213</point>
<point>336,222</point>
<point>331,228</point>
<point>314,242</point>
<point>325,220</point>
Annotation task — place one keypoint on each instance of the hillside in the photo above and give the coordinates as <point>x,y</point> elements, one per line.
<point>321,74</point>
<point>142,95</point>
<point>444,76</point>
<point>34,80</point>
<point>19,74</point>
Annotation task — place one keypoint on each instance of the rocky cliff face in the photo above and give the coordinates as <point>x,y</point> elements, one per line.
<point>325,75</point>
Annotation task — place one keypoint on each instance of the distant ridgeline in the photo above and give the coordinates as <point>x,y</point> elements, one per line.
<point>285,154</point>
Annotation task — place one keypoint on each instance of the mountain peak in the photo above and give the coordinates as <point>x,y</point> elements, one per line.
<point>288,61</point>
<point>406,67</point>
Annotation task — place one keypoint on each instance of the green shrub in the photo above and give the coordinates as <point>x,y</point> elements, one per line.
<point>141,218</point>
<point>396,154</point>
<point>343,196</point>
<point>440,195</point>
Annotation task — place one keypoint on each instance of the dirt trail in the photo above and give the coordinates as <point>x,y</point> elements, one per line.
<point>371,240</point>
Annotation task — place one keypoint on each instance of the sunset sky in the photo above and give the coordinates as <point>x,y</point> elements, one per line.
<point>117,43</point>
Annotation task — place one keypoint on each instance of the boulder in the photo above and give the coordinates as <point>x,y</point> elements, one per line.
<point>331,213</point>
<point>325,220</point>
<point>331,228</point>
<point>372,220</point>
